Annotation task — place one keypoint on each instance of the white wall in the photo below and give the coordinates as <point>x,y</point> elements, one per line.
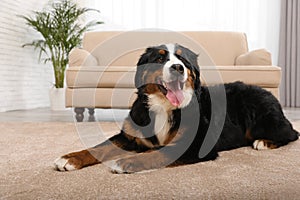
<point>24,83</point>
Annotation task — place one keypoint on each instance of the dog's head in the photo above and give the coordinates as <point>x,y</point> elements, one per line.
<point>168,75</point>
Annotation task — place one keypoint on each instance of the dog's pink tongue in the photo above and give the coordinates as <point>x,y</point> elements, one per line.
<point>175,94</point>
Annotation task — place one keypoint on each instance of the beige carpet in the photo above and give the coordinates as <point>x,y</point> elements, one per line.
<point>27,152</point>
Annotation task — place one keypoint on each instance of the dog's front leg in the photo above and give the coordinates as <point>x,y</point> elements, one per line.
<point>76,160</point>
<point>109,150</point>
<point>144,161</point>
<point>139,162</point>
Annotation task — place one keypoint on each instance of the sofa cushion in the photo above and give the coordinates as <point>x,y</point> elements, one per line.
<point>100,97</point>
<point>263,76</point>
<point>256,57</point>
<point>124,48</point>
<point>101,77</point>
<point>123,76</point>
<point>81,57</point>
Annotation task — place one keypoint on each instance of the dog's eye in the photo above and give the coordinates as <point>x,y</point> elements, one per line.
<point>160,59</point>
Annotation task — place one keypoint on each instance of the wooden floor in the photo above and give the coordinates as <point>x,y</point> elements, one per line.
<point>46,115</point>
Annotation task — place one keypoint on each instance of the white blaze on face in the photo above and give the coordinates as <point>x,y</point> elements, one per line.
<point>174,84</point>
<point>173,60</point>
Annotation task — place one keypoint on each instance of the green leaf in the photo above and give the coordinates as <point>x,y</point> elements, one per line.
<point>59,27</point>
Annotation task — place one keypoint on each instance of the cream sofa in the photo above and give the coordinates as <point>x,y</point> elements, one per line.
<point>101,73</point>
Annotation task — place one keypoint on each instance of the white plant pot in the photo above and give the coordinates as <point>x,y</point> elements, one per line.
<point>57,98</point>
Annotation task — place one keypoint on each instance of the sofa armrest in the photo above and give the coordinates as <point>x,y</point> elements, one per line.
<point>256,57</point>
<point>81,57</point>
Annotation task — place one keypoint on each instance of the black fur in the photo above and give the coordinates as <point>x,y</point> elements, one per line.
<point>255,109</point>
<point>249,108</point>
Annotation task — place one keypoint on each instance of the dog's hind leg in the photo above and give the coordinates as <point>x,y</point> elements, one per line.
<point>264,144</point>
<point>273,134</point>
<point>261,144</point>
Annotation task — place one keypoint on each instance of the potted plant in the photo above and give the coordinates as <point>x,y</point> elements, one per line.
<point>61,30</point>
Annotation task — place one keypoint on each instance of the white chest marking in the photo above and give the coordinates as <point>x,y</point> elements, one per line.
<point>162,110</point>
<point>162,126</point>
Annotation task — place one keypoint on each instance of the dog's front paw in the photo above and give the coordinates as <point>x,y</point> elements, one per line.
<point>75,160</point>
<point>67,164</point>
<point>126,166</point>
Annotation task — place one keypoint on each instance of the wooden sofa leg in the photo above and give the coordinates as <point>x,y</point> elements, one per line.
<point>91,112</point>
<point>79,114</point>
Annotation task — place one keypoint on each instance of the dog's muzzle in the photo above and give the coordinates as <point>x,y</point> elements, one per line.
<point>177,70</point>
<point>175,84</point>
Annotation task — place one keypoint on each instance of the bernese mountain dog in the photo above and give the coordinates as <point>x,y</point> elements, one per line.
<point>169,122</point>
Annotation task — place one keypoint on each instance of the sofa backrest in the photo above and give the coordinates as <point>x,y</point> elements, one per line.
<point>124,48</point>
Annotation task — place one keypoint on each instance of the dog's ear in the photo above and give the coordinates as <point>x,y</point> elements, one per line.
<point>196,69</point>
<point>193,60</point>
<point>190,56</point>
<point>197,82</point>
<point>144,59</point>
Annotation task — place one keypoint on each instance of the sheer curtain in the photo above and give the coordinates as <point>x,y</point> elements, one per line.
<point>259,19</point>
<point>289,59</point>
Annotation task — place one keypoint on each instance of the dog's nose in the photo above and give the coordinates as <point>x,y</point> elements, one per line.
<point>177,68</point>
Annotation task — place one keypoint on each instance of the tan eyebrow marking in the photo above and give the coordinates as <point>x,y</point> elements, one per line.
<point>162,52</point>
<point>178,52</point>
